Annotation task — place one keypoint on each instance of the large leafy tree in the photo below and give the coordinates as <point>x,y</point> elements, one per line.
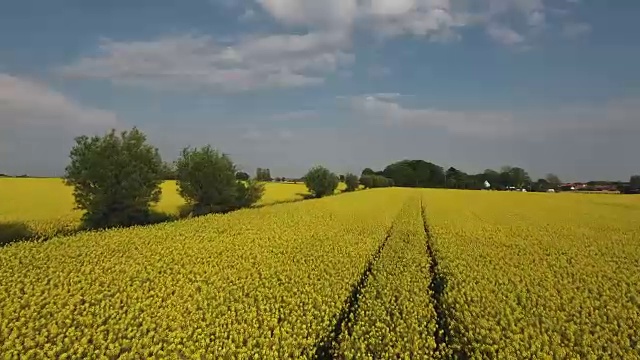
<point>115,178</point>
<point>207,180</point>
<point>351,181</point>
<point>415,173</point>
<point>320,181</point>
<point>553,179</point>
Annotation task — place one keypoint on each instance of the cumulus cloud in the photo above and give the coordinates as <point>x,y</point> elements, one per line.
<point>504,35</point>
<point>617,116</point>
<point>247,63</point>
<point>326,13</point>
<point>388,110</point>
<point>25,102</point>
<point>38,124</point>
<point>192,61</point>
<point>433,19</point>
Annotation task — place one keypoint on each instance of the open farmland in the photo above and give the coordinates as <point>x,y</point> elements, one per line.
<point>538,275</point>
<point>383,273</point>
<point>46,207</point>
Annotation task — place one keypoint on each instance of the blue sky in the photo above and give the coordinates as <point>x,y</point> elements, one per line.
<point>551,86</point>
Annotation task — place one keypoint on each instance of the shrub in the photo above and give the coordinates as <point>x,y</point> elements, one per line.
<point>207,181</point>
<point>115,178</point>
<point>366,181</point>
<point>375,181</point>
<point>248,193</point>
<point>320,181</point>
<point>351,181</point>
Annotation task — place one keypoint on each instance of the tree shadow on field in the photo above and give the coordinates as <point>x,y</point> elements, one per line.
<point>306,196</point>
<point>14,231</point>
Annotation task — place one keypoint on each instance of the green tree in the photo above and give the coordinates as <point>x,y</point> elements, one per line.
<point>351,181</point>
<point>415,173</point>
<point>367,181</point>
<point>380,181</point>
<point>519,177</point>
<point>168,171</point>
<point>553,179</point>
<point>367,172</point>
<point>541,185</point>
<point>242,176</point>
<point>320,181</point>
<point>263,174</point>
<point>115,178</point>
<point>207,181</point>
<point>634,182</point>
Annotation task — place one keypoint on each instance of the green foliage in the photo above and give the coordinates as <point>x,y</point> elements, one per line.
<point>115,178</point>
<point>553,179</point>
<point>366,181</point>
<point>207,181</point>
<point>169,171</point>
<point>375,181</point>
<point>351,181</point>
<point>541,185</point>
<point>634,182</point>
<point>367,172</point>
<point>321,182</point>
<point>415,173</point>
<point>242,176</point>
<point>263,174</point>
<point>248,193</point>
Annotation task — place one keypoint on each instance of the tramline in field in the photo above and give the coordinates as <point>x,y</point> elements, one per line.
<point>381,273</point>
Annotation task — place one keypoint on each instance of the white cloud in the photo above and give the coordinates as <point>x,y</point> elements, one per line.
<point>473,123</point>
<point>575,30</point>
<point>434,19</point>
<point>616,116</point>
<point>25,102</point>
<point>430,18</point>
<point>190,61</point>
<point>325,13</point>
<point>504,35</point>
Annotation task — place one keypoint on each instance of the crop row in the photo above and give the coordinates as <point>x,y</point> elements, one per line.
<point>260,283</point>
<point>395,316</point>
<point>530,276</point>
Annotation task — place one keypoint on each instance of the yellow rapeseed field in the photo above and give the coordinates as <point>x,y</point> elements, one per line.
<point>46,206</point>
<point>395,315</point>
<point>262,283</point>
<point>539,275</point>
<point>382,273</point>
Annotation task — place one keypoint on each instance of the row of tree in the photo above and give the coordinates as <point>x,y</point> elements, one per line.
<point>420,173</point>
<point>116,179</point>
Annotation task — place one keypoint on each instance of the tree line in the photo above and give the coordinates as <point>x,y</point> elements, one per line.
<point>117,177</point>
<point>424,174</point>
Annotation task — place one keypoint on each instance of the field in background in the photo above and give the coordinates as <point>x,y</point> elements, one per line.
<point>45,207</point>
<point>379,273</point>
